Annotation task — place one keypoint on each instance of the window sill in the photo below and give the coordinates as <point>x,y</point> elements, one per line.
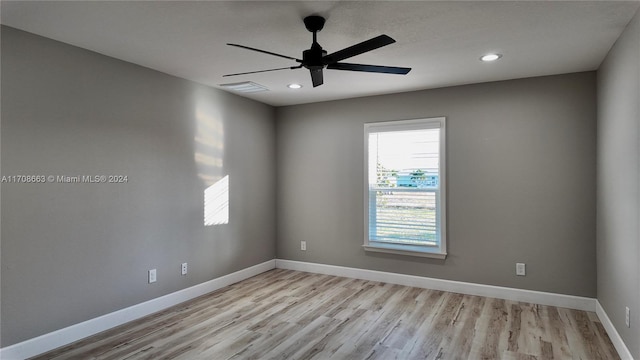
<point>405,250</point>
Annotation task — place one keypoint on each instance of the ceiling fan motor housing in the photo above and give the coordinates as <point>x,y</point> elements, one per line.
<point>312,58</point>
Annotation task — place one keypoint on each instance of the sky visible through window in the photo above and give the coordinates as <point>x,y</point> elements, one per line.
<point>397,152</point>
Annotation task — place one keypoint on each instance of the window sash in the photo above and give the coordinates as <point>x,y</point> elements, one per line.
<point>401,223</point>
<point>423,230</point>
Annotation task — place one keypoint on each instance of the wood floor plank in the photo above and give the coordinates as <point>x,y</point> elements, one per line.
<point>589,334</point>
<point>176,334</point>
<point>606,343</point>
<point>514,328</point>
<point>511,355</point>
<point>495,318</point>
<point>318,347</point>
<point>352,334</point>
<point>546,350</point>
<point>286,314</point>
<point>556,328</point>
<point>432,332</point>
<point>408,324</point>
<point>268,342</point>
<point>310,334</point>
<point>200,334</point>
<point>396,302</point>
<point>529,340</point>
<point>351,302</point>
<point>458,346</point>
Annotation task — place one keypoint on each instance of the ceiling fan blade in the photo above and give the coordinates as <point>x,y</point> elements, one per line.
<point>260,71</point>
<point>316,77</point>
<point>357,49</point>
<point>369,68</point>
<point>265,52</point>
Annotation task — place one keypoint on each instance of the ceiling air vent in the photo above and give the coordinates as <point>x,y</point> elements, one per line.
<point>245,87</point>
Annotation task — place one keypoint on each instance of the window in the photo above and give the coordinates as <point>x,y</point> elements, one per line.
<point>405,187</point>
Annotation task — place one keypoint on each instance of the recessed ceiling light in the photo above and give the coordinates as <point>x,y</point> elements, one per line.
<point>294,86</point>
<point>490,57</point>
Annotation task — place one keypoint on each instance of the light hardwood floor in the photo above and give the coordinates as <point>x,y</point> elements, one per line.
<point>284,314</point>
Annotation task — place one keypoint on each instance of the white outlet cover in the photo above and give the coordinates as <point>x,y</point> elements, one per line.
<point>152,276</point>
<point>520,269</point>
<point>183,269</point>
<point>627,316</point>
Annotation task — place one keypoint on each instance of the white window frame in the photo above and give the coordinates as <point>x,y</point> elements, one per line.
<point>439,251</point>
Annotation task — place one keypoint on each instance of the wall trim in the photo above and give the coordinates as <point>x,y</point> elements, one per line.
<point>615,337</point>
<point>531,296</point>
<point>65,336</point>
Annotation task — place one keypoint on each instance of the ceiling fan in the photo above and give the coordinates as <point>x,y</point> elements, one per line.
<point>316,59</point>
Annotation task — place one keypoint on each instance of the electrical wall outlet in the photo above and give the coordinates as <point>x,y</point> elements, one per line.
<point>627,316</point>
<point>520,269</point>
<point>152,276</point>
<point>183,269</point>
<point>303,245</point>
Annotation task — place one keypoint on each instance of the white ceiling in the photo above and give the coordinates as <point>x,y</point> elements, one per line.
<point>441,41</point>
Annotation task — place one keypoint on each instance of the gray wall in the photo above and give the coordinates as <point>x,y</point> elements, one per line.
<point>521,182</point>
<point>71,252</point>
<point>618,194</point>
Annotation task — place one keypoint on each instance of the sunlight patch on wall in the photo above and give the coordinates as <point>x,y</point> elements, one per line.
<point>216,203</point>
<point>208,140</point>
<point>208,155</point>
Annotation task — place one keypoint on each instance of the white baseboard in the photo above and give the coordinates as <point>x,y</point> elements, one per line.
<point>87,328</point>
<point>615,337</point>
<point>537,297</point>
